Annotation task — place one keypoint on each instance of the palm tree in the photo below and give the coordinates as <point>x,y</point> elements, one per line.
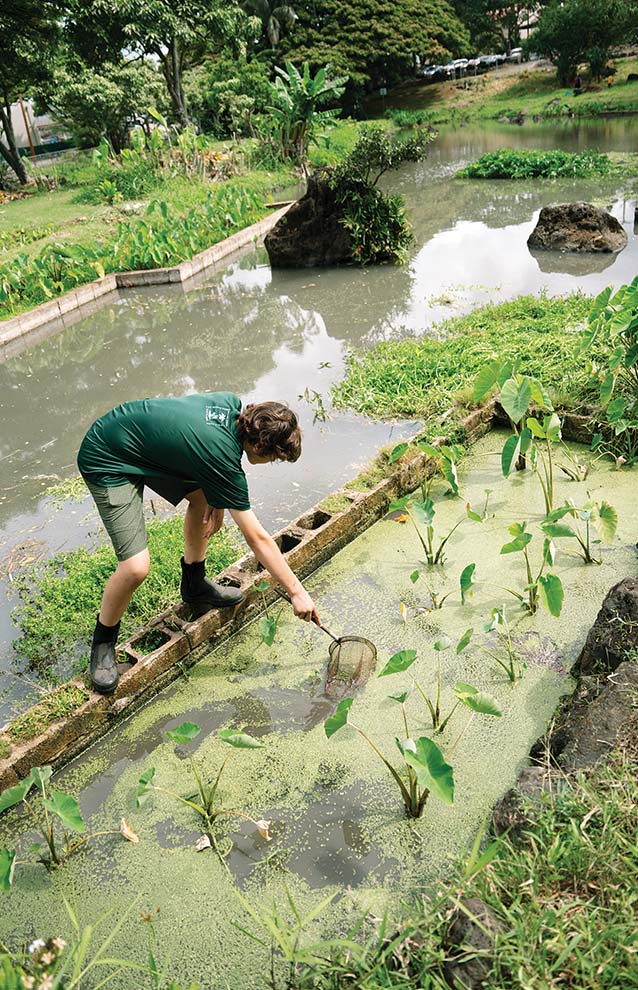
<point>274,19</point>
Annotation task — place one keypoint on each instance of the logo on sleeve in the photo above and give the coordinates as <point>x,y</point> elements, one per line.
<point>217,414</point>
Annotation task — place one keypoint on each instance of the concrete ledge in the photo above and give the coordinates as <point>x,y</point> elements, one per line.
<point>46,316</point>
<point>314,537</point>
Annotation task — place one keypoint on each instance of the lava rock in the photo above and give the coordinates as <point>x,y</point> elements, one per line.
<point>471,938</point>
<point>511,814</point>
<point>593,733</point>
<point>614,634</point>
<point>310,234</point>
<point>577,227</point>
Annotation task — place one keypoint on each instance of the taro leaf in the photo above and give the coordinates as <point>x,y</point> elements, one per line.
<point>144,787</point>
<point>127,832</point>
<point>515,398</point>
<point>339,719</point>
<point>466,582</point>
<point>549,551</point>
<point>520,541</point>
<point>448,468</point>
<point>13,795</point>
<point>509,454</point>
<point>268,629</point>
<point>558,513</point>
<point>535,428</point>
<point>40,776</point>
<point>424,511</point>
<point>551,425</point>
<point>550,590</point>
<point>430,450</point>
<point>497,619</point>
<point>616,409</point>
<point>556,530</point>
<point>184,733</point>
<point>7,866</point>
<point>240,740</point>
<point>486,377</point>
<point>66,809</point>
<point>471,514</point>
<point>606,521</point>
<point>399,662</point>
<point>477,701</point>
<point>607,388</point>
<point>401,698</point>
<point>464,640</point>
<point>399,503</point>
<point>432,772</point>
<point>444,643</point>
<point>526,440</point>
<point>262,586</point>
<point>414,576</point>
<point>539,394</point>
<point>398,452</point>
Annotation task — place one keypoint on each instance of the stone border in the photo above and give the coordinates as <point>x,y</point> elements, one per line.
<point>50,317</point>
<point>314,537</point>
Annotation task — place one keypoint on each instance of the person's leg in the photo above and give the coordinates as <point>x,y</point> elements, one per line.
<point>196,589</point>
<point>195,542</point>
<point>126,578</point>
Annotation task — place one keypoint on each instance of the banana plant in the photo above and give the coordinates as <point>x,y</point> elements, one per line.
<point>543,589</point>
<point>601,516</point>
<point>423,770</point>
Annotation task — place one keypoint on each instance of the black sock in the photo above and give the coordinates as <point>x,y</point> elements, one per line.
<point>105,634</point>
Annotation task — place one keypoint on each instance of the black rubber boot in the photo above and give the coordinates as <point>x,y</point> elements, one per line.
<point>200,594</point>
<point>103,668</point>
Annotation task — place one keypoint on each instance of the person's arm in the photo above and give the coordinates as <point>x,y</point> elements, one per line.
<point>269,555</point>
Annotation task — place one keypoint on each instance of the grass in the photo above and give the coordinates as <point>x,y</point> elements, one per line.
<point>335,503</point>
<point>423,377</point>
<point>59,599</point>
<point>565,893</point>
<point>56,705</point>
<point>5,748</point>
<point>508,91</point>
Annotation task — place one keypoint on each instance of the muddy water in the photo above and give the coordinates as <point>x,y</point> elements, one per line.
<point>285,335</point>
<point>336,816</point>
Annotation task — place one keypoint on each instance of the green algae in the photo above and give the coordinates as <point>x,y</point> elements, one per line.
<point>336,816</point>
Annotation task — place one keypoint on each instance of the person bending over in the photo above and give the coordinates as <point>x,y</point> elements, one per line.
<point>182,448</point>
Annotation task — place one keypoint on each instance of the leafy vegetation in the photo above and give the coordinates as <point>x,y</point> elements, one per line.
<point>296,114</point>
<point>56,705</point>
<point>529,164</point>
<point>60,598</point>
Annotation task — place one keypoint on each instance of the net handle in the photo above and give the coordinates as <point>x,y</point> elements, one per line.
<point>282,594</point>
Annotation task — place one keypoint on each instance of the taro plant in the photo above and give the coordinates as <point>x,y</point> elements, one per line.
<point>424,512</point>
<point>599,516</point>
<point>446,457</point>
<point>268,623</point>
<point>423,770</point>
<point>497,627</point>
<point>465,694</point>
<point>206,799</point>
<point>480,517</point>
<point>544,589</point>
<point>56,817</point>
<point>612,337</point>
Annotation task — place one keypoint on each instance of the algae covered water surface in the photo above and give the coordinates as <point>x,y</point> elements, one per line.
<point>337,822</point>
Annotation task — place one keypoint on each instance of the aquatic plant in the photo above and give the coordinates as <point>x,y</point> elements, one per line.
<point>507,163</point>
<point>57,819</point>
<point>424,770</point>
<point>479,517</point>
<point>498,625</point>
<point>445,456</point>
<point>544,589</point>
<point>612,336</point>
<point>424,512</point>
<point>205,801</point>
<point>268,623</point>
<point>600,515</point>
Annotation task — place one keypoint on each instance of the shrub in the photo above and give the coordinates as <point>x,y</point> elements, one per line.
<point>509,164</point>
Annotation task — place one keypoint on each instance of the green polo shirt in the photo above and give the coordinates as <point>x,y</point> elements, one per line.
<point>191,438</point>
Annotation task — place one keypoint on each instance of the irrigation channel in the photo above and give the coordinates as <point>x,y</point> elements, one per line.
<point>337,818</point>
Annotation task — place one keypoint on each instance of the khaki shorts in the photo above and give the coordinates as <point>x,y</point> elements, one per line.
<point>121,509</point>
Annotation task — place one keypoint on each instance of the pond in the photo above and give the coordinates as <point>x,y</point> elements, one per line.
<point>284,335</point>
<point>336,817</point>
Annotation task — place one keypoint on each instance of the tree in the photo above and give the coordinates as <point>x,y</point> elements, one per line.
<point>298,96</point>
<point>168,30</point>
<point>103,102</point>
<point>372,41</point>
<point>485,34</point>
<point>275,19</point>
<point>225,93</point>
<point>509,17</point>
<point>28,28</point>
<point>576,31</point>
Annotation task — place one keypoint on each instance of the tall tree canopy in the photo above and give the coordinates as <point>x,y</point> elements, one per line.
<point>374,42</point>
<point>576,31</point>
<point>28,29</point>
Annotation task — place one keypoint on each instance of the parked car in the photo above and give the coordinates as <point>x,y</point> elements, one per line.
<point>516,55</point>
<point>473,65</point>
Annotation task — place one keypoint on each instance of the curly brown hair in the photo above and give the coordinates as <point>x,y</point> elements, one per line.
<point>272,429</point>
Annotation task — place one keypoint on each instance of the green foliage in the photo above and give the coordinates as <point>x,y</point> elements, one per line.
<point>298,97</point>
<point>543,589</point>
<point>599,516</point>
<point>530,164</point>
<point>59,599</point>
<point>226,94</point>
<point>612,333</point>
<point>576,31</point>
<point>56,705</point>
<point>421,513</point>
<point>160,238</point>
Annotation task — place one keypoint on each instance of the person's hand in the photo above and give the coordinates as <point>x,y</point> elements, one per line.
<point>212,521</point>
<point>304,607</point>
